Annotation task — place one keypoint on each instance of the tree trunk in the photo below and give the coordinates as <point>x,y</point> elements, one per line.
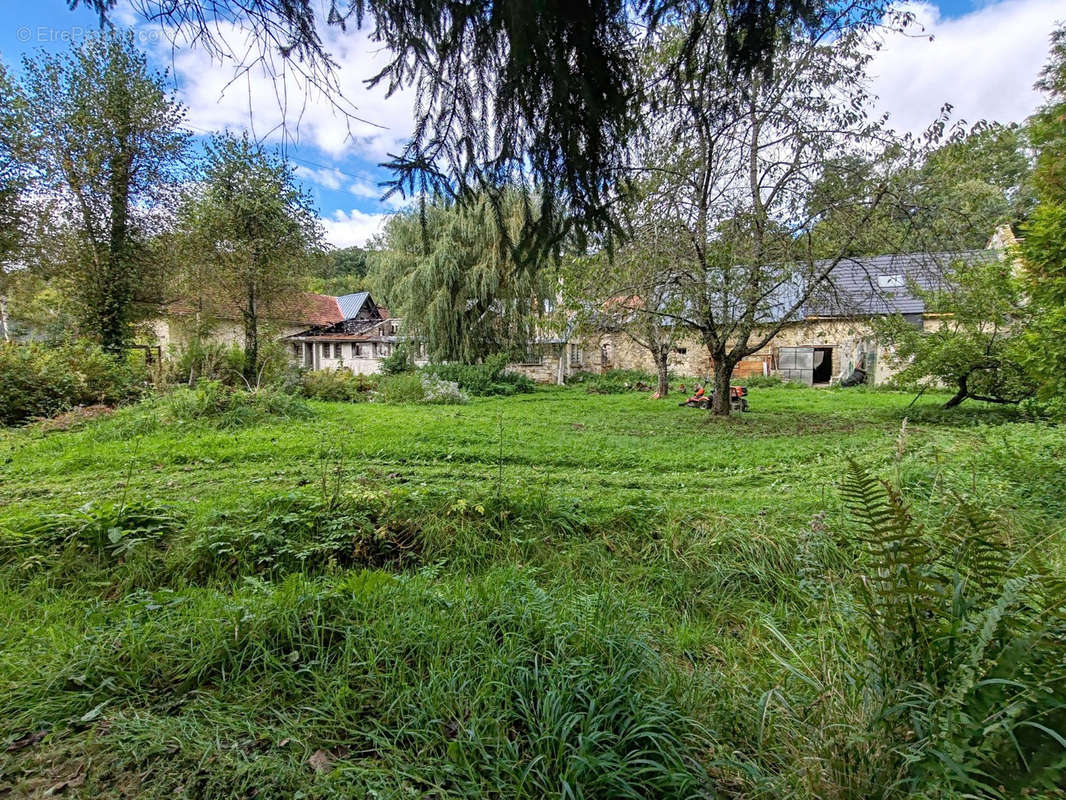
<point>662,366</point>
<point>3,318</point>
<point>251,339</point>
<point>960,395</point>
<point>118,278</point>
<point>723,375</point>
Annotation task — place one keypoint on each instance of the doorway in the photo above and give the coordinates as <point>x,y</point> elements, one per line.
<point>823,365</point>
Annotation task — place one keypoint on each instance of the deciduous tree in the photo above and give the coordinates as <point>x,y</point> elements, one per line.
<point>977,347</point>
<point>253,232</point>
<point>735,165</point>
<point>107,152</point>
<point>1043,247</point>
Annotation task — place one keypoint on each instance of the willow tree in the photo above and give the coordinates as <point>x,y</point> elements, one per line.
<point>251,233</point>
<point>107,151</point>
<point>463,289</point>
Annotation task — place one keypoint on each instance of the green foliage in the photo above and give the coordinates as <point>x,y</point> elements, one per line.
<point>300,533</point>
<point>398,361</point>
<point>250,233</point>
<point>459,285</point>
<point>107,146</point>
<point>418,387</point>
<point>979,349</point>
<point>589,589</point>
<point>100,531</point>
<point>486,379</point>
<point>216,404</point>
<point>614,381</point>
<point>337,385</point>
<point>40,381</point>
<point>964,646</point>
<point>399,389</point>
<point>338,272</point>
<point>953,200</point>
<point>1043,247</point>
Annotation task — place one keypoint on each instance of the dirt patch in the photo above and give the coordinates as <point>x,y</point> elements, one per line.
<point>76,416</point>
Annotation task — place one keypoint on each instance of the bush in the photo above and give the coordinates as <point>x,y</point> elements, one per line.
<point>337,385</point>
<point>227,407</point>
<point>438,391</point>
<point>614,381</point>
<point>217,361</point>
<point>399,389</point>
<point>399,361</point>
<point>102,530</point>
<point>39,381</point>
<point>483,380</point>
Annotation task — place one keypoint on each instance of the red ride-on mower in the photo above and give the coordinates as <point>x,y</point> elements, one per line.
<point>738,399</point>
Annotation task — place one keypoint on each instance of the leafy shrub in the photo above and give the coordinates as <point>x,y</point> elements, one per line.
<point>205,359</point>
<point>398,361</point>
<point>38,380</point>
<point>301,533</point>
<point>225,406</point>
<point>217,361</point>
<point>483,380</point>
<point>958,683</point>
<point>398,389</point>
<point>99,530</point>
<point>437,391</point>
<point>337,385</point>
<point>614,381</point>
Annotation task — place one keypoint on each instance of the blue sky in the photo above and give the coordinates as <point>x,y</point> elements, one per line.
<point>984,58</point>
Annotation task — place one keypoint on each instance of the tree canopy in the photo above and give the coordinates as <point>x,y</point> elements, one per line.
<point>455,280</point>
<point>1043,246</point>
<point>251,234</point>
<point>107,148</point>
<point>511,92</point>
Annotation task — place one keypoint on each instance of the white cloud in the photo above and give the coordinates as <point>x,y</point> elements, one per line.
<point>984,63</point>
<point>348,228</point>
<point>276,103</point>
<point>329,178</point>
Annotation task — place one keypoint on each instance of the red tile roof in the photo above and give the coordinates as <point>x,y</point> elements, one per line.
<point>303,308</point>
<point>317,309</point>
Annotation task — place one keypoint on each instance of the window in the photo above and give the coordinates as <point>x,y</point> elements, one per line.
<point>575,354</point>
<point>681,350</point>
<point>357,351</point>
<point>532,359</point>
<point>891,282</point>
<point>337,350</point>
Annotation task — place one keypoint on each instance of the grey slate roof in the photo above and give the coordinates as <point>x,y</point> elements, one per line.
<point>350,304</point>
<point>856,291</point>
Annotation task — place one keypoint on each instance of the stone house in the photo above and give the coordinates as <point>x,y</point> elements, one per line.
<point>829,337</point>
<point>832,334</point>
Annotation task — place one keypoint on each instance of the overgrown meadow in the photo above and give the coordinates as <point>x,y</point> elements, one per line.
<point>837,595</point>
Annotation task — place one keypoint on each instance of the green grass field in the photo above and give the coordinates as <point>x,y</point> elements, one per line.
<point>548,595</point>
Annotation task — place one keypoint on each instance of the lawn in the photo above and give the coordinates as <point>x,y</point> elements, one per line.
<point>552,594</point>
